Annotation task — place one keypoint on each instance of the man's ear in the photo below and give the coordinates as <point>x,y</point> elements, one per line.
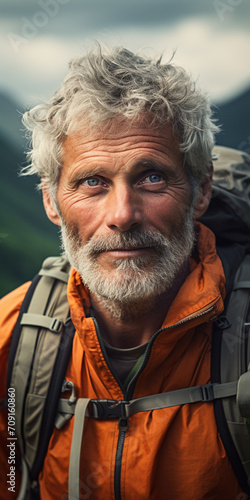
<point>50,206</point>
<point>204,197</point>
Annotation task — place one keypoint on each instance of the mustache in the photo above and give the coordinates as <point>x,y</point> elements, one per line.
<point>127,240</point>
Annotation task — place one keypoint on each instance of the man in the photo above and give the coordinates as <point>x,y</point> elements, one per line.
<point>123,151</point>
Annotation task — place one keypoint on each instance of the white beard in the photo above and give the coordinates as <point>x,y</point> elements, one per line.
<point>134,279</point>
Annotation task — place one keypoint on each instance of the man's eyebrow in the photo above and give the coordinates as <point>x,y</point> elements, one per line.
<point>83,174</point>
<point>154,164</point>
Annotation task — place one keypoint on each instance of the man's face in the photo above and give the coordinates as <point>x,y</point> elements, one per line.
<point>124,201</point>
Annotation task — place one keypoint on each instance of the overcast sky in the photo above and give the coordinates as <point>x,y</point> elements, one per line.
<point>38,37</point>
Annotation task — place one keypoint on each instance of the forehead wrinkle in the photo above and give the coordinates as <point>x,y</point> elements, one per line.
<point>118,132</point>
<point>81,148</point>
<point>117,145</point>
<point>105,152</point>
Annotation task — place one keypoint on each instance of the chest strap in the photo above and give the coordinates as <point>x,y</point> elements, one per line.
<point>109,408</point>
<point>122,410</point>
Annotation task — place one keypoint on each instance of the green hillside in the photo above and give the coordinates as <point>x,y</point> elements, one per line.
<point>26,235</point>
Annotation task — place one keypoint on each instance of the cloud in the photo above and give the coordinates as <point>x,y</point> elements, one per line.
<point>213,51</point>
<point>96,14</point>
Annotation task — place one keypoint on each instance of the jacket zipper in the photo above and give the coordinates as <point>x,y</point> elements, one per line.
<point>123,424</point>
<point>203,312</point>
<point>123,427</point>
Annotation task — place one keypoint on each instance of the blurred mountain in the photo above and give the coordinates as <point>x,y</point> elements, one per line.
<point>11,124</point>
<point>234,118</point>
<point>26,235</point>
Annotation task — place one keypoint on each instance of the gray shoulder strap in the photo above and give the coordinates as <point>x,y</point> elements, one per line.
<point>76,445</point>
<point>41,328</point>
<point>234,365</point>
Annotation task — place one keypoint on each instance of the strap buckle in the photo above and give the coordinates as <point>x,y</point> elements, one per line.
<point>56,325</point>
<point>108,408</point>
<point>207,393</point>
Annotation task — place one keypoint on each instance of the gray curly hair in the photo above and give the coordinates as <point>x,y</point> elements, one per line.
<point>109,83</point>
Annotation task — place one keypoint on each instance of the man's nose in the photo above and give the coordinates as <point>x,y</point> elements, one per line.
<point>124,209</point>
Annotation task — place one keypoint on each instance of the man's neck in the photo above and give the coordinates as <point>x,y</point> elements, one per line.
<point>132,324</point>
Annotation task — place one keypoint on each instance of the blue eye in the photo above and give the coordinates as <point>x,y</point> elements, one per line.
<point>92,182</point>
<point>155,178</point>
<point>152,179</point>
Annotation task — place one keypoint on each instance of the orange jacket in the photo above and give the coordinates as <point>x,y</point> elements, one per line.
<point>173,453</point>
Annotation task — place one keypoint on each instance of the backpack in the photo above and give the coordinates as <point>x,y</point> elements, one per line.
<point>42,341</point>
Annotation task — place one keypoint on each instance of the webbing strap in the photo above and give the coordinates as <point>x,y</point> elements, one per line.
<point>202,393</point>
<point>42,321</point>
<point>241,284</point>
<point>76,445</point>
<point>55,273</point>
<point>107,408</point>
<point>23,491</point>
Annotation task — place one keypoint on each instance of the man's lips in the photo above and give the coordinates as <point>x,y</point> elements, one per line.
<point>127,252</point>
